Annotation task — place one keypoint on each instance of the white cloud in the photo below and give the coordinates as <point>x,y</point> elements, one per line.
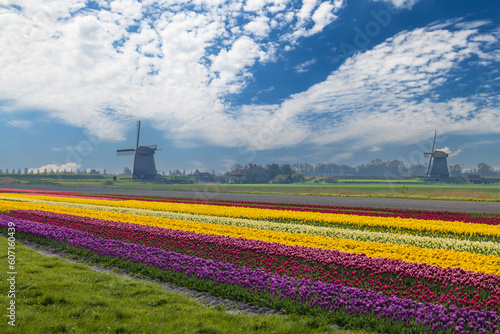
<point>254,5</point>
<point>19,123</point>
<point>304,67</point>
<point>472,24</point>
<point>230,64</point>
<point>306,10</point>
<point>259,26</point>
<point>323,16</point>
<point>447,150</point>
<point>342,156</point>
<point>375,148</point>
<point>54,167</point>
<point>401,3</point>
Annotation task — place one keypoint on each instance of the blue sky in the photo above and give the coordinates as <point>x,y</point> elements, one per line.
<point>218,82</point>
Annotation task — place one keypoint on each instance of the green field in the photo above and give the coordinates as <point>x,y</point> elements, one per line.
<point>55,296</point>
<point>411,190</point>
<point>399,188</point>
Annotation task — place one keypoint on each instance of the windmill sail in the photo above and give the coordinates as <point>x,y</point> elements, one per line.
<point>124,152</point>
<point>138,133</point>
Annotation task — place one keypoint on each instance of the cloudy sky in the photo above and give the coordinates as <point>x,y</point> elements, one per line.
<point>217,82</point>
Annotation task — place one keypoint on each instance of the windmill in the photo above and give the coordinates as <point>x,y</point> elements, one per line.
<point>144,161</point>
<point>438,162</point>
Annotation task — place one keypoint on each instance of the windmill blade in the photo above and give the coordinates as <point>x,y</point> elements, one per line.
<point>138,133</point>
<point>429,167</point>
<point>430,155</point>
<point>434,142</point>
<point>129,151</point>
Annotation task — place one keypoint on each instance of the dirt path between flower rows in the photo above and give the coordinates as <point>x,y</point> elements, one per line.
<point>204,298</point>
<point>394,203</point>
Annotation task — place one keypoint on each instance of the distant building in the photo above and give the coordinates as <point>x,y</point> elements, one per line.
<point>287,178</point>
<point>203,177</point>
<point>252,174</point>
<point>474,178</point>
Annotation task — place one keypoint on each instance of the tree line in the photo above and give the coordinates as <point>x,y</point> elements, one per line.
<point>379,168</point>
<point>375,168</point>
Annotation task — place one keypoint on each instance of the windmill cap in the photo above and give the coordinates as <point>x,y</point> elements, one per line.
<point>440,154</point>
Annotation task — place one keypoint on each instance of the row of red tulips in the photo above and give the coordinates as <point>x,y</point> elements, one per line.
<point>392,277</point>
<point>38,192</point>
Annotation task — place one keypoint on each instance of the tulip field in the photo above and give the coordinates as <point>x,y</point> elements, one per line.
<point>381,270</point>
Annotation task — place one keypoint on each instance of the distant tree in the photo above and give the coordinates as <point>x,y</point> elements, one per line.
<point>279,179</point>
<point>7,171</point>
<point>19,171</point>
<point>299,167</point>
<point>236,166</point>
<point>297,177</point>
<point>127,171</point>
<point>417,170</point>
<point>455,170</point>
<point>286,169</point>
<point>274,169</point>
<point>483,169</point>
<point>395,168</point>
<point>45,171</point>
<point>104,171</point>
<point>1,171</point>
<point>304,168</point>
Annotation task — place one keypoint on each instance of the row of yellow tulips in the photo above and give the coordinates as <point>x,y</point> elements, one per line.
<point>465,229</point>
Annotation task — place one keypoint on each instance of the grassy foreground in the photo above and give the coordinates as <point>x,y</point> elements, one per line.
<point>55,296</point>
